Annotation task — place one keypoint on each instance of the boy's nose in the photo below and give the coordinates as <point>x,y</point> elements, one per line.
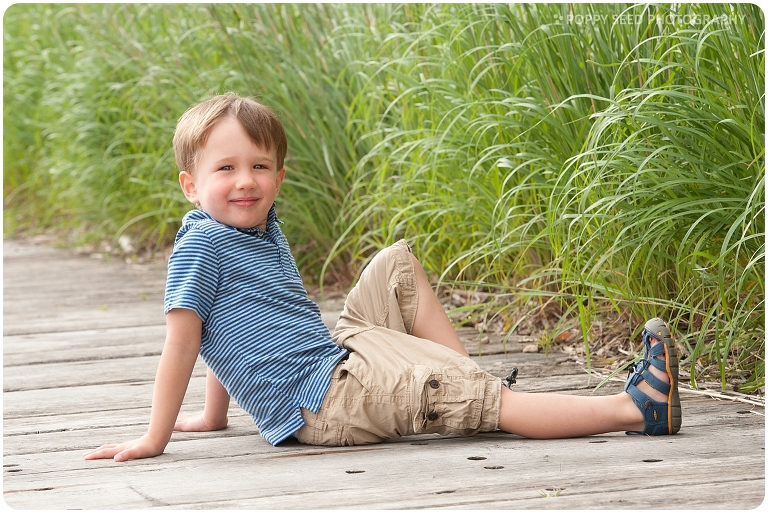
<point>245,180</point>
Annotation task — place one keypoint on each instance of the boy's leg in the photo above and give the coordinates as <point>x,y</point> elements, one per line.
<point>385,295</point>
<point>536,415</point>
<point>431,321</point>
<point>393,292</point>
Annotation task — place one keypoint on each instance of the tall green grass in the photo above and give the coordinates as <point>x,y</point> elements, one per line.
<point>616,163</point>
<point>93,92</point>
<point>598,157</point>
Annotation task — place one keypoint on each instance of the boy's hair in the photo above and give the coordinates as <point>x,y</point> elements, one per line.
<point>194,126</point>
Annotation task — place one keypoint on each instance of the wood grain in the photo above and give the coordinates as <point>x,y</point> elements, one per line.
<point>81,343</point>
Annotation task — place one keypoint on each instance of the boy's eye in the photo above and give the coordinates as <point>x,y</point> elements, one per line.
<point>259,166</point>
<point>226,168</point>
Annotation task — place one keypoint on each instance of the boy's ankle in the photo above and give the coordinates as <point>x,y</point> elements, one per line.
<point>633,416</point>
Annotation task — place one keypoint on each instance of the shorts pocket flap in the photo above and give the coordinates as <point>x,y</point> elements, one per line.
<point>451,397</point>
<point>417,401</point>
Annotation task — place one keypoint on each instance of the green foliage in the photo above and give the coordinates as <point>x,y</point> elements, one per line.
<point>92,99</point>
<point>600,156</point>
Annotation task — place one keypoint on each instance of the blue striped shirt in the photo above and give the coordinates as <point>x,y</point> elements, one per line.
<point>262,337</point>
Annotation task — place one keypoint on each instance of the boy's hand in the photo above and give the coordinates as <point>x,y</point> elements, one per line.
<point>143,447</point>
<point>214,416</point>
<point>198,423</point>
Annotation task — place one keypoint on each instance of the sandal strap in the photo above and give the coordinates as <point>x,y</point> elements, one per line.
<point>652,353</point>
<point>655,351</point>
<point>654,412</point>
<point>642,372</point>
<point>659,363</point>
<point>655,382</point>
<point>647,336</point>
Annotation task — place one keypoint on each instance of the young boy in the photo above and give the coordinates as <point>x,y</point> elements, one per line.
<point>394,366</point>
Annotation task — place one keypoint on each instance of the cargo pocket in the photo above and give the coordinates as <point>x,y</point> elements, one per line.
<point>446,401</point>
<point>357,367</point>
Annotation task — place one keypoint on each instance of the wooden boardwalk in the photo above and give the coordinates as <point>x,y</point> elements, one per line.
<point>81,342</point>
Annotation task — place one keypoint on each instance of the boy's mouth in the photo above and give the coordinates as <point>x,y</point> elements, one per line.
<point>244,202</point>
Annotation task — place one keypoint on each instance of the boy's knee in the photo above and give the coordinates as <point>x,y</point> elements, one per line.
<point>393,259</point>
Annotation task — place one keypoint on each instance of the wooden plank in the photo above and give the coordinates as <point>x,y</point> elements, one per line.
<point>56,291</point>
<point>494,343</point>
<point>696,496</point>
<point>83,421</point>
<point>80,432</point>
<point>115,495</point>
<point>240,424</point>
<point>64,319</point>
<point>79,346</point>
<point>85,287</point>
<point>126,416</point>
<point>77,374</point>
<point>697,413</point>
<point>286,478</point>
<point>63,369</point>
<point>91,398</point>
<point>530,365</point>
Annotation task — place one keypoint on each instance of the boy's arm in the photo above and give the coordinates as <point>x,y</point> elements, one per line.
<point>182,345</point>
<point>214,416</point>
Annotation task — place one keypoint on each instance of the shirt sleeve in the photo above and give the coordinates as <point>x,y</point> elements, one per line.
<point>193,274</point>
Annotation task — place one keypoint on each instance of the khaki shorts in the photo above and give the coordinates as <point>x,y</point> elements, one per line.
<point>394,384</point>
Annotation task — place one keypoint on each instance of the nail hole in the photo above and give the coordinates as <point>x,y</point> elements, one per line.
<point>355,471</point>
<point>744,412</point>
<point>43,489</point>
<point>598,441</point>
<point>445,491</point>
<point>11,465</point>
<point>14,470</point>
<point>554,489</point>
<point>477,458</point>
<point>419,443</point>
<point>652,461</point>
<point>493,467</point>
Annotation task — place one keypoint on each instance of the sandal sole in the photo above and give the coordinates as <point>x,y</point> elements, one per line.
<point>660,330</point>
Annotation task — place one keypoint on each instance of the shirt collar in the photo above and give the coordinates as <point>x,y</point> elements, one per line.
<point>200,215</point>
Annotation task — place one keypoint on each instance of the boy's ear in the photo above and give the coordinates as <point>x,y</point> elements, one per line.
<point>279,179</point>
<point>187,182</point>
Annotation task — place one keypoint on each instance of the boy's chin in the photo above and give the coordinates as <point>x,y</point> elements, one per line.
<point>238,219</point>
<point>244,225</point>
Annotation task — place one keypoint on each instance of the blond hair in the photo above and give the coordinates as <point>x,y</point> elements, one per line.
<point>194,126</point>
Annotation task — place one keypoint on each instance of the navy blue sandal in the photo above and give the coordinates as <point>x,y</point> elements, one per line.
<point>661,418</point>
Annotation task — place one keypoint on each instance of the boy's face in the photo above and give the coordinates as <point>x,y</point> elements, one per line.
<point>234,181</point>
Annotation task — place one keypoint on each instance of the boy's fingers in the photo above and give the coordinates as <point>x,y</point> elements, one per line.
<point>189,424</point>
<point>105,451</point>
<point>134,453</point>
<point>131,453</point>
<point>139,448</point>
<point>124,455</point>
